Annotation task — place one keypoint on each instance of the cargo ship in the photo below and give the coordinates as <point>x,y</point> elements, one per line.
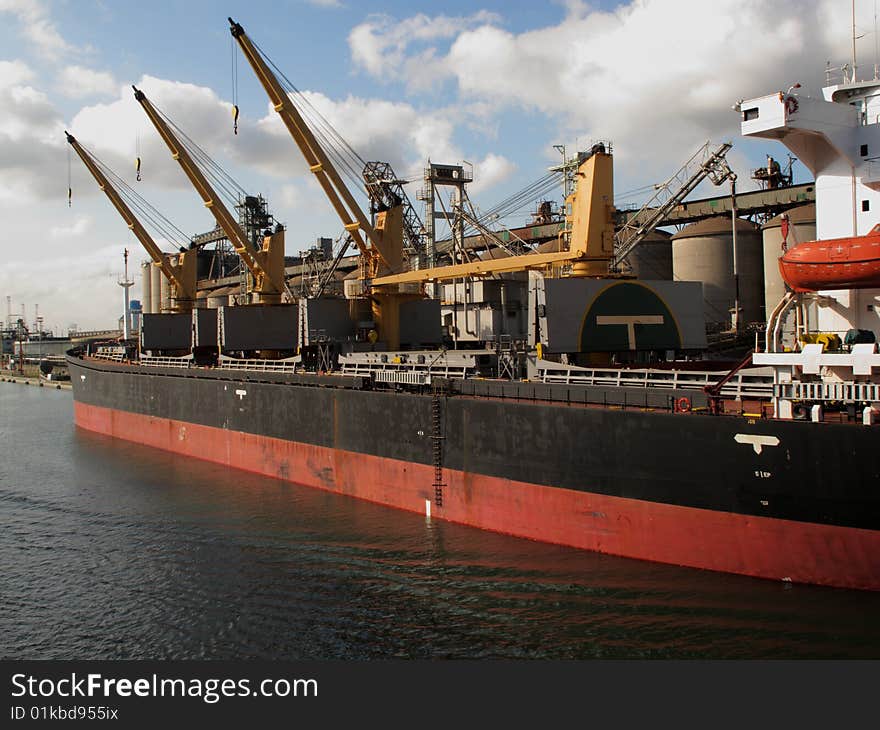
<point>604,431</point>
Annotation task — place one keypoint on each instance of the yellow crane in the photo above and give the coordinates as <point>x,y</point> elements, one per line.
<point>266,264</point>
<point>589,235</point>
<point>180,268</point>
<point>380,246</point>
<point>589,230</point>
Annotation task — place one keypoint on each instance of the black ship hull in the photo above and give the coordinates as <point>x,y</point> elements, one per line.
<point>777,499</point>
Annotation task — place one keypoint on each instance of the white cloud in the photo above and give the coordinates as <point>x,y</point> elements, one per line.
<point>380,45</point>
<point>80,225</point>
<point>27,113</point>
<point>116,131</point>
<point>657,77</point>
<point>78,82</point>
<point>14,73</point>
<point>32,161</point>
<point>489,172</point>
<point>37,26</point>
<point>395,132</point>
<point>291,196</point>
<point>78,286</point>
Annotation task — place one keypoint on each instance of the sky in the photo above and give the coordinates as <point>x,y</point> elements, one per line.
<point>496,84</point>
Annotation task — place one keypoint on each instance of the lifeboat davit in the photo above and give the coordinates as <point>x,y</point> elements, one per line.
<point>837,263</point>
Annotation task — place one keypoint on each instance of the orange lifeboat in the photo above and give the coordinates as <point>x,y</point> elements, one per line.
<point>837,263</point>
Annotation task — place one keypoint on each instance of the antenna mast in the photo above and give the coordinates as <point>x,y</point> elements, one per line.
<point>853,41</point>
<point>126,284</point>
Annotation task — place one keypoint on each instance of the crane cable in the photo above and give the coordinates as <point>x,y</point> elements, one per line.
<point>235,111</point>
<point>347,159</point>
<point>515,202</point>
<point>137,152</point>
<point>69,188</point>
<point>226,185</point>
<point>146,212</point>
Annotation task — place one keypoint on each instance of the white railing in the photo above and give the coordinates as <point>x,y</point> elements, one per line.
<point>402,376</point>
<point>114,354</point>
<point>166,362</point>
<point>845,392</point>
<point>287,365</point>
<point>742,385</point>
<point>388,372</point>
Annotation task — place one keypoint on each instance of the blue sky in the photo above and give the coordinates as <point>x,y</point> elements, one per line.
<point>494,83</point>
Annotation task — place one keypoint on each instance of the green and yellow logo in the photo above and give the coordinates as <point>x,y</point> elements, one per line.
<point>628,316</point>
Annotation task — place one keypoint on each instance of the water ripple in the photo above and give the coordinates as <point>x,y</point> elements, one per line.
<point>115,551</point>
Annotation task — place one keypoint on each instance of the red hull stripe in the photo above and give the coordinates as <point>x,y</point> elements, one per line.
<point>721,541</point>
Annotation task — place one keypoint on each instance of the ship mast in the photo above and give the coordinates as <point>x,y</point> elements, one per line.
<point>126,284</point>
<point>853,41</point>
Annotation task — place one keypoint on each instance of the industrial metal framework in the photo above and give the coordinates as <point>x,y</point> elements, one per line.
<point>385,191</point>
<point>704,163</point>
<point>442,176</point>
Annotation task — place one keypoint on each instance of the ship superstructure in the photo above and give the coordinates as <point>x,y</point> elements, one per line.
<point>834,360</point>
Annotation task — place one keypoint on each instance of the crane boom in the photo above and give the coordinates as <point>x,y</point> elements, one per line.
<point>385,190</point>
<point>340,196</point>
<point>266,265</point>
<point>590,236</point>
<point>700,166</point>
<point>182,274</point>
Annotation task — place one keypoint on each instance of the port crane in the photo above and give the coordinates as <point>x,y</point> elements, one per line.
<point>593,249</point>
<point>591,252</point>
<point>381,246</point>
<point>590,233</point>
<point>266,264</point>
<point>385,190</point>
<point>180,268</point>
<point>376,244</point>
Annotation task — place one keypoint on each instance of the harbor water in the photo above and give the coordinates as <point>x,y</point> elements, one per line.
<point>111,550</point>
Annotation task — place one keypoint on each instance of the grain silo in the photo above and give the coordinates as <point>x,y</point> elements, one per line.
<point>156,276</point>
<point>703,251</point>
<point>652,257</point>
<point>802,227</point>
<point>147,287</point>
<point>165,291</point>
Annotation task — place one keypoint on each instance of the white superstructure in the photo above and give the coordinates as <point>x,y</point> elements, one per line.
<point>837,138</point>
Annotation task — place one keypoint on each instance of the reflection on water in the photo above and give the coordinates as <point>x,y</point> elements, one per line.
<point>112,550</point>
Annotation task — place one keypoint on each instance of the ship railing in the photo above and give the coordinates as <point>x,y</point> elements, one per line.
<point>114,354</point>
<point>166,362</point>
<point>91,334</point>
<point>839,391</point>
<point>285,365</point>
<point>742,385</point>
<point>402,376</point>
<point>410,373</point>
